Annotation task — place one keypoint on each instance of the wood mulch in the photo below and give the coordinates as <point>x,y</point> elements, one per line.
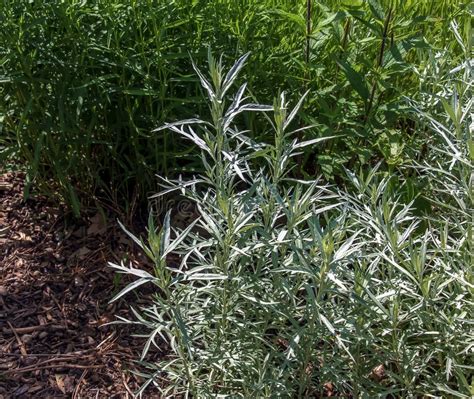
<point>55,288</point>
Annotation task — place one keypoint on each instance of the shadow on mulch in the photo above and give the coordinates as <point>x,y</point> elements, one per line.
<point>54,292</point>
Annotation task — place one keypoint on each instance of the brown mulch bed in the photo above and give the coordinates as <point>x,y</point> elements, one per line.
<point>55,288</point>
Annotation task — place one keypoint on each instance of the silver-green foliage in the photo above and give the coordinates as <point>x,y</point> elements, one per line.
<point>286,285</point>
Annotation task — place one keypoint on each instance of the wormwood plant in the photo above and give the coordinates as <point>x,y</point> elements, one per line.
<point>288,289</point>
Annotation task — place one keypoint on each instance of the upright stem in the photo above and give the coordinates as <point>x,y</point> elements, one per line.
<point>308,29</point>
<point>345,38</point>
<point>379,61</point>
<point>299,157</point>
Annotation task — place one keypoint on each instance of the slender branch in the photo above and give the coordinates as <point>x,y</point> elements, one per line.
<point>379,61</point>
<point>308,29</point>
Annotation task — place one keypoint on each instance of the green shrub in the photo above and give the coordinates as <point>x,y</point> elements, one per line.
<point>83,83</point>
<point>290,288</point>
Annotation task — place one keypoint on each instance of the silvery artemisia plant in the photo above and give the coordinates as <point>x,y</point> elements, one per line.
<point>287,289</point>
<point>240,312</point>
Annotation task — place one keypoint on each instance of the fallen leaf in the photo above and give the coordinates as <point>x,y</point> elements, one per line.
<point>60,382</point>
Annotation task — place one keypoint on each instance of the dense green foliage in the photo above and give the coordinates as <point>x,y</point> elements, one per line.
<point>83,83</point>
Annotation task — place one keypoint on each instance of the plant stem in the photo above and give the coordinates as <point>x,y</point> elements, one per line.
<point>379,61</point>
<point>308,29</point>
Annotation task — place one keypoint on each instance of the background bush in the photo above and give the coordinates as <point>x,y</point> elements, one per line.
<point>83,83</point>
